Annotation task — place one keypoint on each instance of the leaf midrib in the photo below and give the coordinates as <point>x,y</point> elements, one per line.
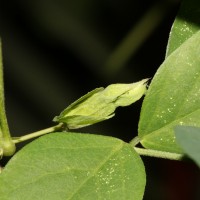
<point>114,151</point>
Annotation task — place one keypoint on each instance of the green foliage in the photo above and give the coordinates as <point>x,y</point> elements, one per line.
<point>186,24</point>
<point>172,98</point>
<point>189,139</point>
<point>74,166</point>
<point>66,165</point>
<point>100,104</point>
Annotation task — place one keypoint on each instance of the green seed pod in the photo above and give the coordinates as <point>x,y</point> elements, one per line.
<point>100,104</point>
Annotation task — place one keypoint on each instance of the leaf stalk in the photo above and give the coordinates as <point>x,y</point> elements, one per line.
<point>38,133</point>
<point>159,154</point>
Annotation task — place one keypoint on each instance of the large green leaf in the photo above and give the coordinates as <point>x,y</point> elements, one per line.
<point>173,98</point>
<point>189,140</point>
<point>186,24</point>
<point>74,166</point>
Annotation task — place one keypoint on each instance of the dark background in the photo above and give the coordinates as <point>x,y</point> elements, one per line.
<point>57,50</point>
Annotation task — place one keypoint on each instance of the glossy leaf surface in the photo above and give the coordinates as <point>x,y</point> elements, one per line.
<point>74,166</point>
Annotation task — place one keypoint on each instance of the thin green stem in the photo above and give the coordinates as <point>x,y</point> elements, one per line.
<point>6,145</point>
<point>3,120</point>
<point>38,133</point>
<point>159,154</point>
<point>135,141</point>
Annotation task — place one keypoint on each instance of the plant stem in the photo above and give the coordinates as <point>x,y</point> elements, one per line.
<point>158,154</point>
<point>3,120</point>
<point>135,141</point>
<point>37,133</point>
<point>7,147</point>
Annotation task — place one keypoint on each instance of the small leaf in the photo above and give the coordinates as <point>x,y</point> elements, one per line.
<point>173,98</point>
<point>100,104</point>
<point>185,25</point>
<point>189,140</point>
<point>74,166</point>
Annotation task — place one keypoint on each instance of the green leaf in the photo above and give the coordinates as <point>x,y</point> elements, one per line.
<point>173,98</point>
<point>186,24</point>
<point>189,140</point>
<point>74,166</point>
<point>100,104</point>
